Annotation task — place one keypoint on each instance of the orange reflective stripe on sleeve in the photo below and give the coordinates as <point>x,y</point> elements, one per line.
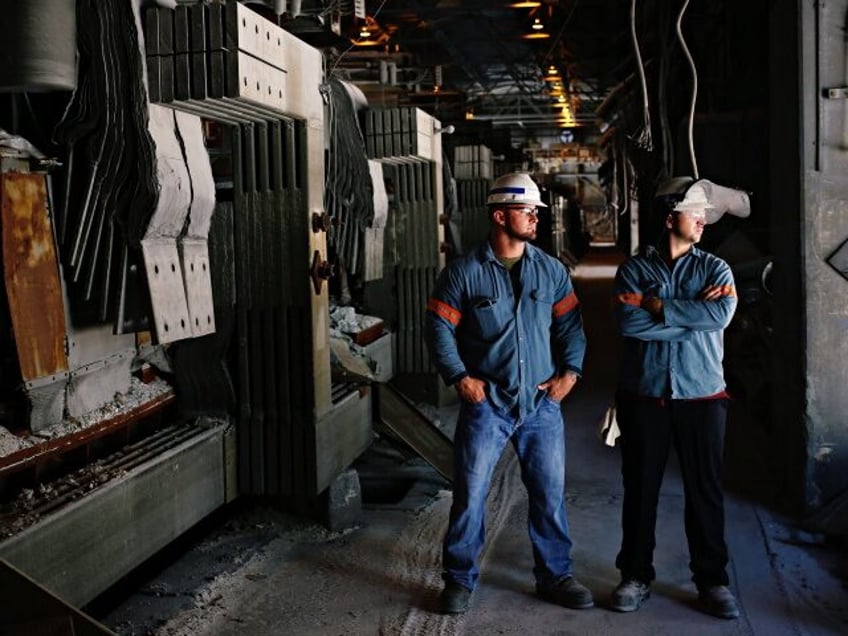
<point>630,298</point>
<point>445,311</point>
<point>565,305</point>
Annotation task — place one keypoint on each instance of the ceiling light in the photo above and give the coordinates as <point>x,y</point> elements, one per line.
<point>524,5</point>
<point>370,33</point>
<point>536,35</point>
<point>537,25</point>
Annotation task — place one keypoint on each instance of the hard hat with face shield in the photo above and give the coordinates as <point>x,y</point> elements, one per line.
<point>682,194</point>
<point>515,188</point>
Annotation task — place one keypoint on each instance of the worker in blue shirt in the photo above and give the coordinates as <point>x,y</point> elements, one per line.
<point>504,328</point>
<point>673,303</point>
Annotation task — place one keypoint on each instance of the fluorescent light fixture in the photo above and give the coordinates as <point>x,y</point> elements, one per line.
<point>536,35</point>
<point>524,5</point>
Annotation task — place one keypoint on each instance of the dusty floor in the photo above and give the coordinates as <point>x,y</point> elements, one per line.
<point>253,570</point>
<point>256,571</point>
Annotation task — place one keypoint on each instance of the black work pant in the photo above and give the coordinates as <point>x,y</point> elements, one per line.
<point>648,427</point>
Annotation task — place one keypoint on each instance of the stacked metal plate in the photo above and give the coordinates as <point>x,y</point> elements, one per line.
<point>399,132</point>
<point>473,214</point>
<point>472,162</point>
<point>414,224</point>
<point>473,169</point>
<point>402,139</point>
<point>272,314</point>
<point>217,60</point>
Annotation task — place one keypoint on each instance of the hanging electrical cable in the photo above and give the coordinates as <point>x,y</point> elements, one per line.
<point>694,88</point>
<point>665,47</point>
<point>643,138</point>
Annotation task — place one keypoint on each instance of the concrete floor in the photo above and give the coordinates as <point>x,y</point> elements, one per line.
<point>253,570</point>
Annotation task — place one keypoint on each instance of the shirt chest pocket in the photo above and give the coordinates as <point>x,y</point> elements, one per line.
<point>540,308</point>
<point>489,317</point>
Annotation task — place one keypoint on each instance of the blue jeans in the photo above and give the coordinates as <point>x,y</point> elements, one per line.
<point>481,435</point>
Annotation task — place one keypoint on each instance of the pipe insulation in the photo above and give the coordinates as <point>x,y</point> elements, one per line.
<point>37,45</point>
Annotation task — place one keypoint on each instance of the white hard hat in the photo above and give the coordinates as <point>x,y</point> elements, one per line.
<point>685,193</point>
<point>515,188</point>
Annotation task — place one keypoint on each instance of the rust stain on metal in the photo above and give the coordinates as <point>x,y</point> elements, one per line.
<point>31,271</point>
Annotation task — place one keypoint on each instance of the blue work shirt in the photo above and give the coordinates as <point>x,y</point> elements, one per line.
<point>680,355</point>
<point>475,326</point>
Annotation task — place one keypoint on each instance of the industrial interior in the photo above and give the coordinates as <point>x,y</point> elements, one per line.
<point>221,221</point>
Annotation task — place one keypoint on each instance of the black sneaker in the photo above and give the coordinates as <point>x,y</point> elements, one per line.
<point>630,595</point>
<point>455,598</point>
<point>568,593</point>
<point>718,601</point>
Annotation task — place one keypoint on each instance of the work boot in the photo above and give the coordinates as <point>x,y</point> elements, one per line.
<point>568,593</point>
<point>719,601</point>
<point>455,598</point>
<point>630,595</point>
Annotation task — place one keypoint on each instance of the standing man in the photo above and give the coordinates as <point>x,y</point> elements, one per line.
<point>672,304</point>
<point>504,328</point>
